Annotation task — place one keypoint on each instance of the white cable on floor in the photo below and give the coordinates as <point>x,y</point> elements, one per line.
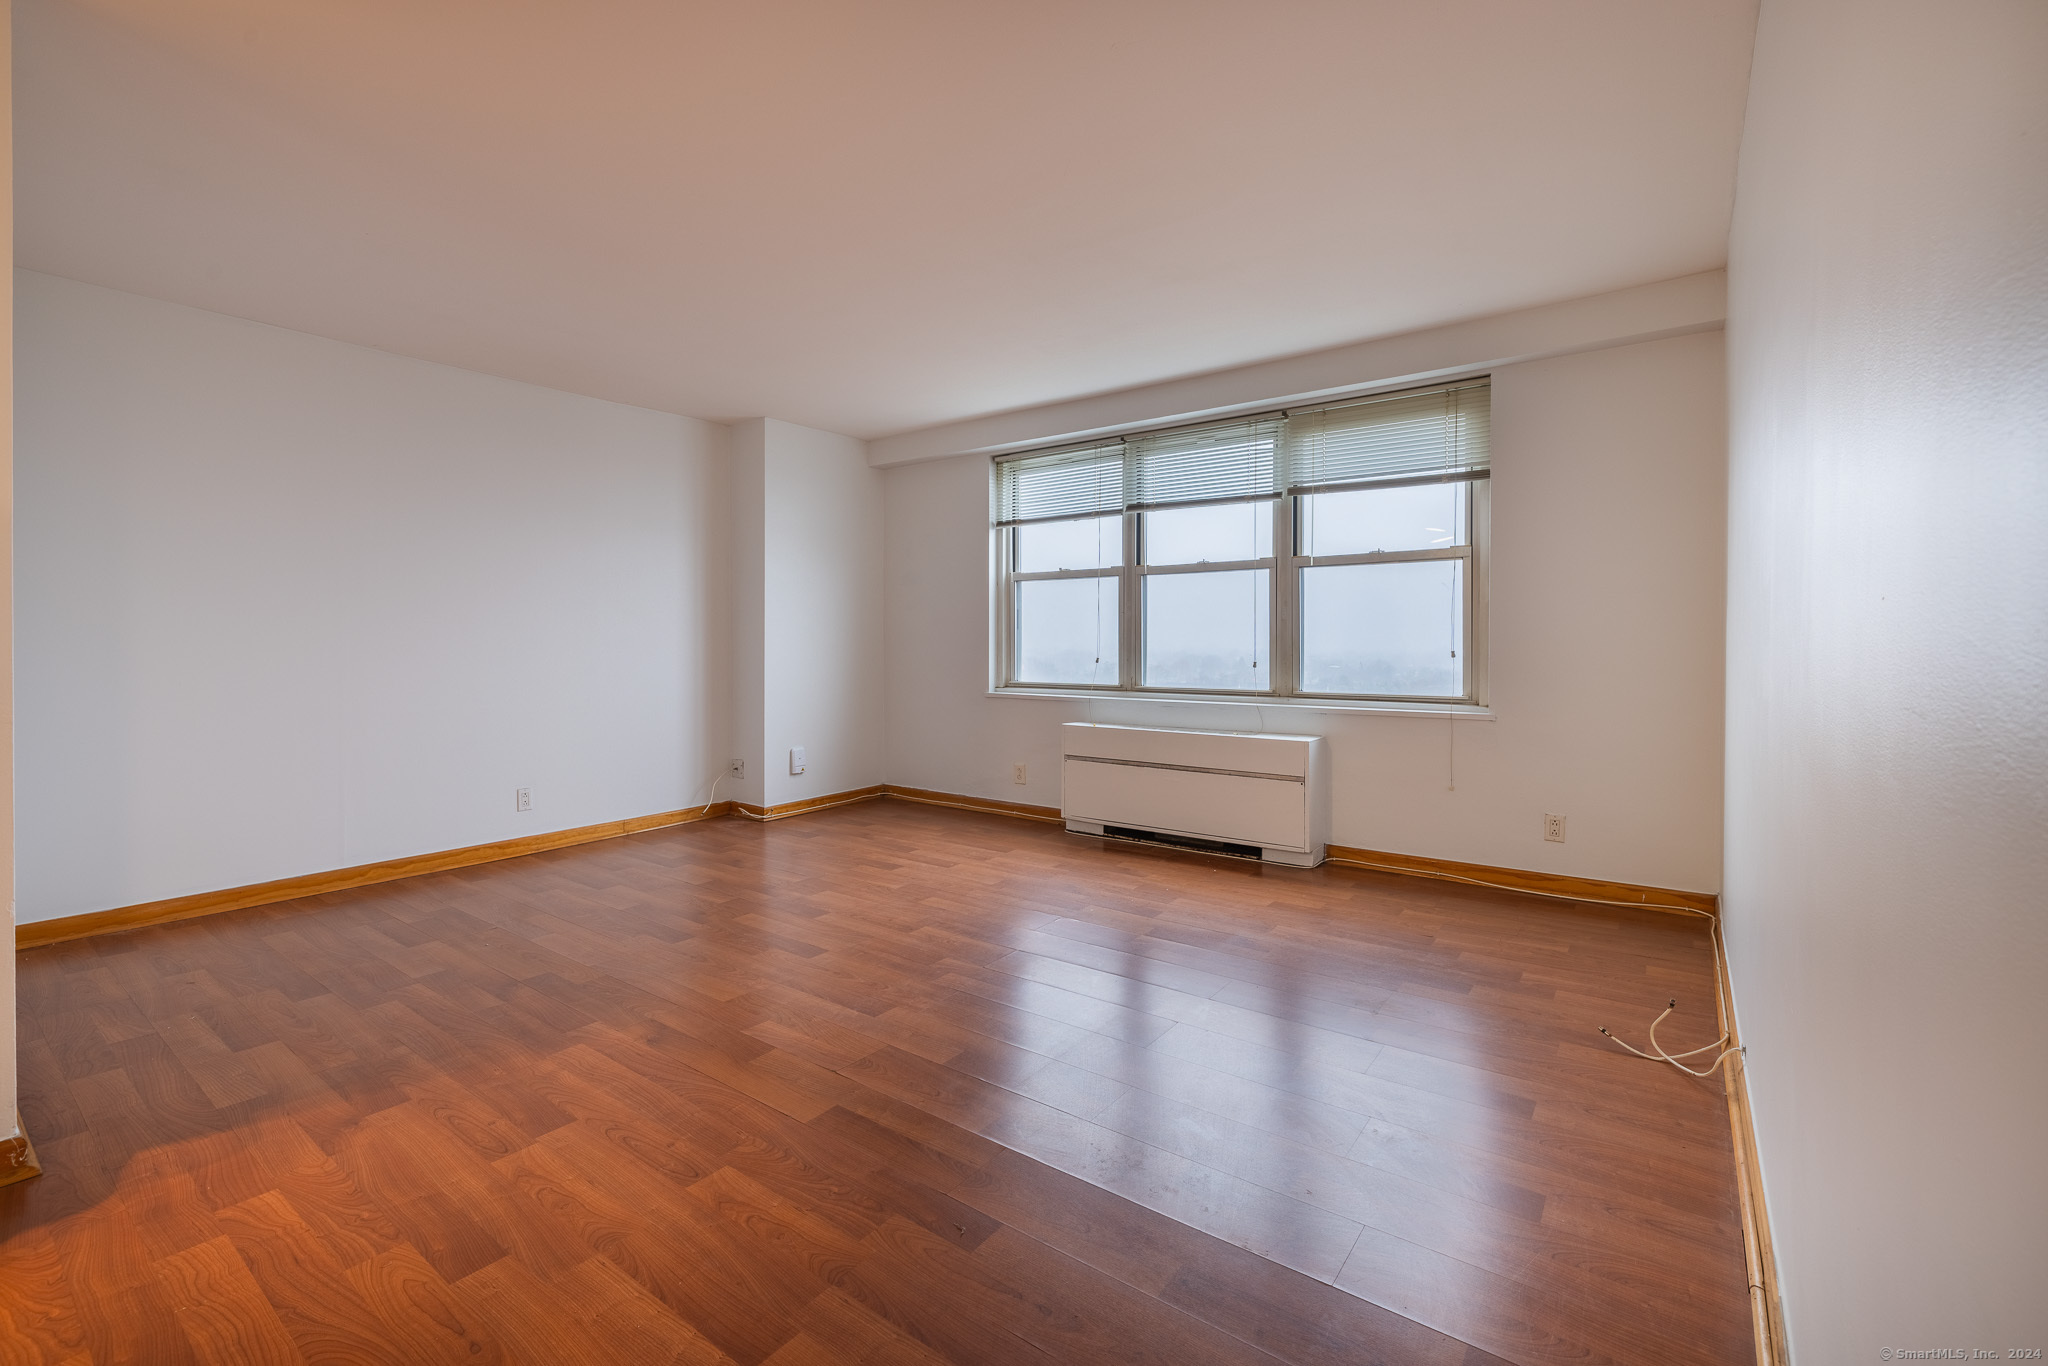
<point>1720,997</point>
<point>1661,1056</point>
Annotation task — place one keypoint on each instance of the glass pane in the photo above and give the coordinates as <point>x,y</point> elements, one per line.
<point>1066,631</point>
<point>1219,534</point>
<point>1420,517</point>
<point>1089,543</point>
<point>1384,629</point>
<point>1209,630</point>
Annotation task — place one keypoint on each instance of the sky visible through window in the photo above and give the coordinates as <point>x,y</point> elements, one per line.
<point>1391,628</point>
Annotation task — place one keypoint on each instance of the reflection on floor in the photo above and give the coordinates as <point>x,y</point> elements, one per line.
<point>888,1083</point>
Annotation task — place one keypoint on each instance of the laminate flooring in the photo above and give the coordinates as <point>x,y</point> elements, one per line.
<point>883,1083</point>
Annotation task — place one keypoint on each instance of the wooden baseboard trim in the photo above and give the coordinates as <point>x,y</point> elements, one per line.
<point>18,1156</point>
<point>342,879</point>
<point>120,918</point>
<point>1520,880</point>
<point>1513,879</point>
<point>1767,1310</point>
<point>776,813</point>
<point>964,803</point>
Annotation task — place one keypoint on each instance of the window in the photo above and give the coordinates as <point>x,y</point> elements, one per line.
<point>1329,552</point>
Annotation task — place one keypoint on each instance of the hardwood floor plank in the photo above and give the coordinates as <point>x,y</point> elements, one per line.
<point>1302,1320</point>
<point>848,1331</point>
<point>537,1324</point>
<point>633,1324</point>
<point>48,1109</point>
<point>38,1322</point>
<point>436,1321</point>
<point>707,1276</point>
<point>127,1316</point>
<point>209,1062</point>
<point>222,1310</point>
<point>299,1276</point>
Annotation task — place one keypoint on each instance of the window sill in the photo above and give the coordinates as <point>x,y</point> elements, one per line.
<point>1462,711</point>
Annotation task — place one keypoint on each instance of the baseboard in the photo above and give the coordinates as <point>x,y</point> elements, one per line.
<point>1521,880</point>
<point>1767,1309</point>
<point>18,1155</point>
<point>964,803</point>
<point>340,879</point>
<point>776,813</point>
<point>908,794</point>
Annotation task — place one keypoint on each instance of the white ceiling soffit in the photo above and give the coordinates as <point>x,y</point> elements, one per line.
<point>1668,308</point>
<point>872,216</point>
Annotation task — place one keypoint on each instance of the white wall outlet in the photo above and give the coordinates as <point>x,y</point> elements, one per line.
<point>1017,774</point>
<point>1553,828</point>
<point>796,760</point>
<point>522,799</point>
<point>739,768</point>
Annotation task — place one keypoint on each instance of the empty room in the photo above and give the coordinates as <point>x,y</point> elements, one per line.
<point>1312,683</point>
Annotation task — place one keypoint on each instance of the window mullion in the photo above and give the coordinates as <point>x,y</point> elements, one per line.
<point>1479,542</point>
<point>1286,611</point>
<point>1466,677</point>
<point>1130,608</point>
<point>1007,605</point>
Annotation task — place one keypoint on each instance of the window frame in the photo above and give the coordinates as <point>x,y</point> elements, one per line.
<point>1286,567</point>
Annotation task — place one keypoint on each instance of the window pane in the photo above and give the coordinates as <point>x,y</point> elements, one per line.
<point>1089,543</point>
<point>1219,534</point>
<point>1421,517</point>
<point>1387,629</point>
<point>1208,630</point>
<point>1066,631</point>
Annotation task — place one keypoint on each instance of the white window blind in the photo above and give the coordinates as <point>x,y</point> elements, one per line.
<point>1414,437</point>
<point>1071,483</point>
<point>1223,463</point>
<point>1402,438</point>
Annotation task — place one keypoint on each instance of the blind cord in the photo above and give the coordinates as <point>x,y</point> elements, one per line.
<point>1254,509</point>
<point>1451,713</point>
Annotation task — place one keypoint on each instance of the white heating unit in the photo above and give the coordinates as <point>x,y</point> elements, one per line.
<point>1263,794</point>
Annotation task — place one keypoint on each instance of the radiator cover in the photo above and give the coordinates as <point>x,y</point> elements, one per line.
<point>1248,788</point>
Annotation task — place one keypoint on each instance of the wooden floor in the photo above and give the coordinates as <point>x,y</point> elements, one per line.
<point>888,1083</point>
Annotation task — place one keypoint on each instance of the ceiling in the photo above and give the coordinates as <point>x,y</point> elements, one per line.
<point>872,215</point>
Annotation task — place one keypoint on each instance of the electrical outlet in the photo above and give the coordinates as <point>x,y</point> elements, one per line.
<point>739,768</point>
<point>522,800</point>
<point>1017,774</point>
<point>796,761</point>
<point>1553,828</point>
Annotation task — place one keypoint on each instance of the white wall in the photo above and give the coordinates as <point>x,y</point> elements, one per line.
<point>1887,818</point>
<point>287,604</point>
<point>822,614</point>
<point>747,535</point>
<point>1606,665</point>
<point>7,878</point>
<point>807,667</point>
